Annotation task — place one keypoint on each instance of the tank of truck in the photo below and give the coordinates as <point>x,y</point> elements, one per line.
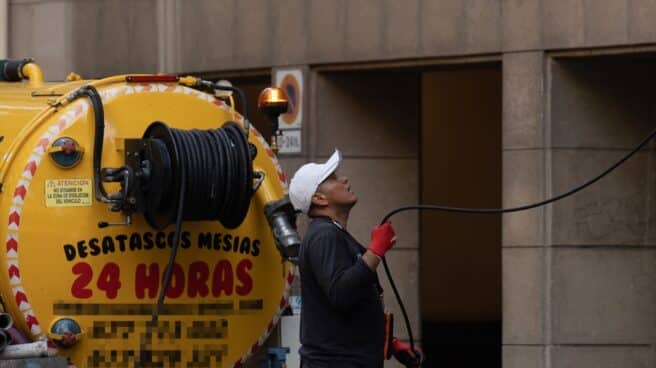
<point>76,274</point>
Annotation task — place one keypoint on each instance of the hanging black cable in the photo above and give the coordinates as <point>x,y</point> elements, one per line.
<point>431,207</point>
<point>144,352</point>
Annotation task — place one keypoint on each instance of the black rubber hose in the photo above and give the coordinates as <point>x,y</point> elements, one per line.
<point>574,190</point>
<point>98,138</point>
<point>242,97</point>
<point>11,69</point>
<point>218,173</point>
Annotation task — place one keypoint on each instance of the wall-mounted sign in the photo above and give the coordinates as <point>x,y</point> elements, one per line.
<point>290,124</point>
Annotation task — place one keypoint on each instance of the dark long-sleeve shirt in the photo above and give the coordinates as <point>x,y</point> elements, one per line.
<point>342,318</point>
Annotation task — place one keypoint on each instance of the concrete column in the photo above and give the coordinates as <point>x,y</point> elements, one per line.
<point>578,275</point>
<point>168,36</point>
<point>4,28</point>
<point>602,269</point>
<point>523,234</point>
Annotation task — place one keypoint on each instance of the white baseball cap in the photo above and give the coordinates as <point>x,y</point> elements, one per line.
<point>306,180</point>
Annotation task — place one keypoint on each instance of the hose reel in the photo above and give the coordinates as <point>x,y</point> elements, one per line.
<point>217,165</point>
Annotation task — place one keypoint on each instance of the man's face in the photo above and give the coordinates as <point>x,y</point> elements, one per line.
<point>337,191</point>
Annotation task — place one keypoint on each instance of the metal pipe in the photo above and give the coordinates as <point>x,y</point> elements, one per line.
<point>31,350</point>
<point>6,322</point>
<point>33,73</point>
<point>16,337</point>
<point>4,340</point>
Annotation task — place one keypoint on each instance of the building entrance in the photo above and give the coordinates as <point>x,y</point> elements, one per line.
<point>460,254</point>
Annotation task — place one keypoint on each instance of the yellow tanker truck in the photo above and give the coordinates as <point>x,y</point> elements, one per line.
<point>145,222</point>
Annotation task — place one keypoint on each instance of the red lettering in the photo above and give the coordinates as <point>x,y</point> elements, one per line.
<point>199,272</point>
<point>147,280</point>
<point>222,281</point>
<point>85,273</point>
<point>196,278</point>
<point>244,277</point>
<point>109,280</point>
<point>177,284</point>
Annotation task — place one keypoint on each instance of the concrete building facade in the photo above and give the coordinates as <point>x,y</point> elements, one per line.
<point>469,103</point>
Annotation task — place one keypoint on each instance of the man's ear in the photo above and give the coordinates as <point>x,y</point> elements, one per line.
<point>319,199</point>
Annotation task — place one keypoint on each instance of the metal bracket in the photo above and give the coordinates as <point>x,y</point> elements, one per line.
<point>259,178</point>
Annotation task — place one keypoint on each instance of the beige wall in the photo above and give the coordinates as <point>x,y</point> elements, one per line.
<point>579,292</point>
<point>102,37</point>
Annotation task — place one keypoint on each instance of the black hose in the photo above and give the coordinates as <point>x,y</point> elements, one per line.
<point>242,99</point>
<point>644,142</point>
<point>11,70</point>
<point>242,96</point>
<point>218,172</point>
<point>98,138</point>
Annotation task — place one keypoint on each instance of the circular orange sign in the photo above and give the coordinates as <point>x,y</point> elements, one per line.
<point>290,85</point>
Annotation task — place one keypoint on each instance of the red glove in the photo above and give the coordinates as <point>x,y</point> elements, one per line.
<point>382,239</point>
<point>405,355</point>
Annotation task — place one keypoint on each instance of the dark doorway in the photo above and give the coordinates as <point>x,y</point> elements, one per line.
<point>460,263</point>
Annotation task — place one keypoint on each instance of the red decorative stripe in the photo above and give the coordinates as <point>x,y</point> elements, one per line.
<point>12,244</point>
<point>13,271</point>
<point>20,191</point>
<point>281,176</point>
<point>14,218</point>
<point>20,297</point>
<point>43,143</point>
<point>290,277</point>
<point>31,321</point>
<point>282,302</point>
<point>31,167</point>
<point>61,124</point>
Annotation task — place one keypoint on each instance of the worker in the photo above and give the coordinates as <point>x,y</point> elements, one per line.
<point>342,318</point>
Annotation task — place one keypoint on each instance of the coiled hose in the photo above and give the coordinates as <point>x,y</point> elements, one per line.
<point>218,172</point>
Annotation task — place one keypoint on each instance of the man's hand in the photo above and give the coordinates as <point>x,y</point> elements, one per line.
<point>405,355</point>
<point>382,239</point>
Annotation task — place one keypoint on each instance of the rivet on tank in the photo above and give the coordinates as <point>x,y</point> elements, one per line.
<point>146,221</point>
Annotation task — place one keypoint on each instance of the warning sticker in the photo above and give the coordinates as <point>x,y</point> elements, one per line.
<point>68,192</point>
